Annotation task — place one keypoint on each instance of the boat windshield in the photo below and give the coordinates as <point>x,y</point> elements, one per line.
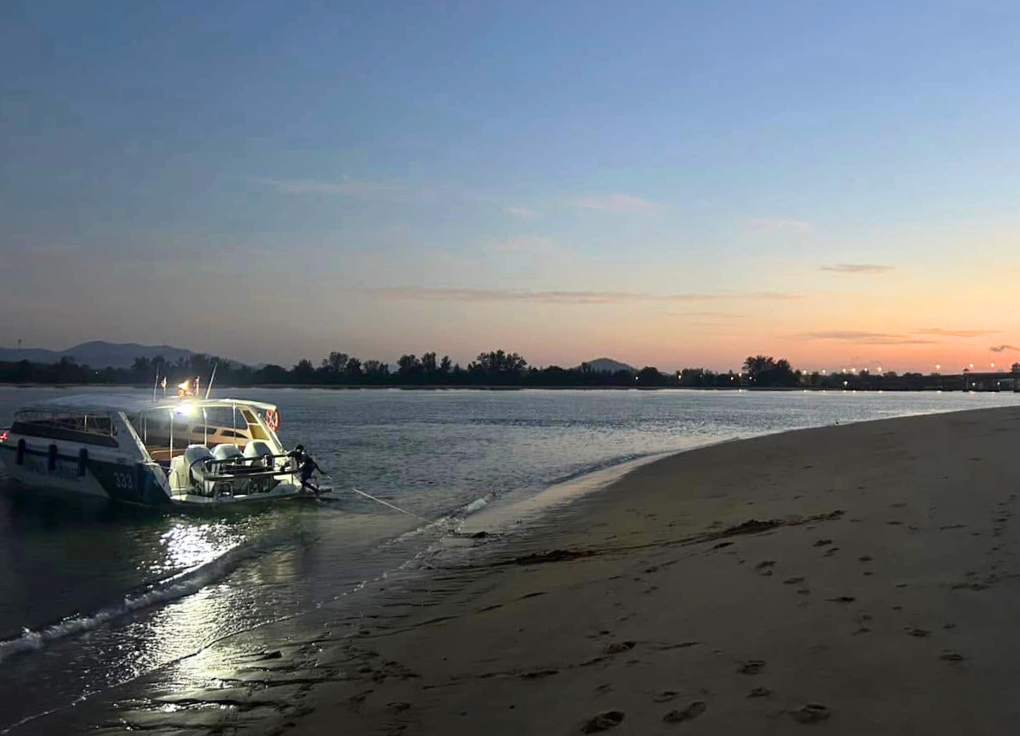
<point>167,433</point>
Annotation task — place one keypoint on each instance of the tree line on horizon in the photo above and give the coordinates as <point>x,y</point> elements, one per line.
<point>497,368</point>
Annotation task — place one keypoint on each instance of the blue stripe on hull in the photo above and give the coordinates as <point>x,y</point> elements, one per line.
<point>136,484</point>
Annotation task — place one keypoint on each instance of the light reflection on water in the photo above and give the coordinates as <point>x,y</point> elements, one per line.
<point>186,546</point>
<point>430,452</point>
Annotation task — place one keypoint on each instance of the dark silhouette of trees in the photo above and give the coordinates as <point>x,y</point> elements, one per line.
<point>496,368</point>
<point>409,367</point>
<point>272,374</point>
<point>304,371</point>
<point>336,362</point>
<point>766,372</point>
<point>649,377</point>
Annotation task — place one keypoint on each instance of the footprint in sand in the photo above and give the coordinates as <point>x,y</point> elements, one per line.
<point>793,581</point>
<point>822,542</point>
<point>842,599</point>
<point>919,633</point>
<point>752,667</point>
<point>538,674</point>
<point>692,711</point>
<point>951,657</point>
<point>620,646</point>
<point>810,713</point>
<point>603,721</point>
<point>665,696</point>
<point>759,692</point>
<point>765,567</point>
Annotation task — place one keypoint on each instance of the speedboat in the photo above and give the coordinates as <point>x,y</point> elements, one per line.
<point>181,451</point>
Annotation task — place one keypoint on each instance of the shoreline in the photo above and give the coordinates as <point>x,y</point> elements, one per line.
<point>858,576</point>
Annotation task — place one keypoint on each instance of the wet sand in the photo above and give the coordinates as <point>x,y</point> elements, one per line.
<point>854,579</point>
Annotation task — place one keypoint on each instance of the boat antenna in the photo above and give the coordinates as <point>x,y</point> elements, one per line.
<point>155,385</point>
<point>208,389</point>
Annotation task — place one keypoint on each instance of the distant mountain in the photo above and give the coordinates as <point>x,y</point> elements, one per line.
<point>97,354</point>
<point>608,365</point>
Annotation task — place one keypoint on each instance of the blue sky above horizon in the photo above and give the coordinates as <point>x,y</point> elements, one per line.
<point>665,183</point>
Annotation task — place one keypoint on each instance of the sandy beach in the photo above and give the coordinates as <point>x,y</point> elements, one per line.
<point>851,579</point>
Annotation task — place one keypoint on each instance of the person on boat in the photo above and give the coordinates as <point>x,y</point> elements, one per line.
<point>306,467</point>
<point>296,454</point>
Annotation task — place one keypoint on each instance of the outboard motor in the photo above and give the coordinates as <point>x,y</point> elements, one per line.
<point>226,452</point>
<point>261,450</point>
<point>195,458</point>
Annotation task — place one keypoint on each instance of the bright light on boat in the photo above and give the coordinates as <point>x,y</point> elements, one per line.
<point>187,409</point>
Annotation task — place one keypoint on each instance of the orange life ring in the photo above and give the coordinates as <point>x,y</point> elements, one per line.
<point>273,419</point>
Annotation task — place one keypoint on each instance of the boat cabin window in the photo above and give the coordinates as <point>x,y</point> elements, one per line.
<point>227,418</point>
<point>211,426</point>
<point>89,429</point>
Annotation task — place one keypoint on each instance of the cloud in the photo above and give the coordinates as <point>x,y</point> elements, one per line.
<point>1004,348</point>
<point>893,338</point>
<point>867,338</point>
<point>859,268</point>
<point>781,225</point>
<point>706,314</point>
<point>955,333</point>
<point>346,187</point>
<point>617,204</point>
<point>564,297</point>
<point>522,213</point>
<point>528,245</point>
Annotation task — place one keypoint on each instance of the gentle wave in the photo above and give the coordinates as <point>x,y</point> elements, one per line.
<point>177,586</point>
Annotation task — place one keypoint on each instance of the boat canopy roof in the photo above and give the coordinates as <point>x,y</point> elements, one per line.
<point>132,403</point>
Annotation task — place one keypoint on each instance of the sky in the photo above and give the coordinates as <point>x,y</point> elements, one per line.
<point>665,183</point>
